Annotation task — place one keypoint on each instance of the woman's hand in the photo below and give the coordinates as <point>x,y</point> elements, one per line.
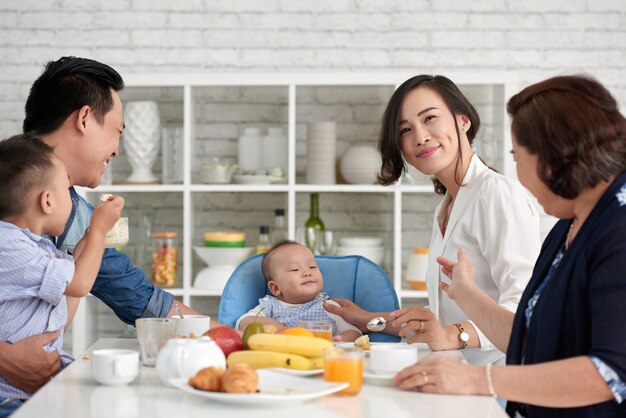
<point>461,273</point>
<point>443,375</point>
<point>425,328</point>
<point>350,311</point>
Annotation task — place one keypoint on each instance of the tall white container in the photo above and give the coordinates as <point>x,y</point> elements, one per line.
<point>275,149</point>
<point>416,269</point>
<point>320,146</point>
<point>251,149</point>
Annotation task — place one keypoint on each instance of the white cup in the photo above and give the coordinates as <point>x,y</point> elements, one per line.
<point>192,326</point>
<point>386,359</point>
<point>114,366</point>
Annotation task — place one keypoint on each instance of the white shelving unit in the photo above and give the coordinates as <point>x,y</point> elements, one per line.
<point>186,100</point>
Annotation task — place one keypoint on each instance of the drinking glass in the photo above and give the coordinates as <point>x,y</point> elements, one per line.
<point>344,365</point>
<point>318,329</point>
<point>326,242</point>
<point>153,334</point>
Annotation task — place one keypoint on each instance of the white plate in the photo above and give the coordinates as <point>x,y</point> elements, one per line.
<point>257,179</point>
<point>274,387</point>
<point>293,372</point>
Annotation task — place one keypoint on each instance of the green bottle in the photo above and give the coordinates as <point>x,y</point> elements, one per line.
<point>313,227</point>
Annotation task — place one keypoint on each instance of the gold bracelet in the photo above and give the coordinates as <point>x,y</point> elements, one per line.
<point>490,388</point>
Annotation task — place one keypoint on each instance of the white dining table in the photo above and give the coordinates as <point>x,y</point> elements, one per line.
<point>74,393</point>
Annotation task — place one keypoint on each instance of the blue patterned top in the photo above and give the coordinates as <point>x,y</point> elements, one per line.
<point>292,315</point>
<point>617,385</point>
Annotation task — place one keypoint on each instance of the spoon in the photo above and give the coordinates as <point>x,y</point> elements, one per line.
<point>178,312</point>
<point>376,324</point>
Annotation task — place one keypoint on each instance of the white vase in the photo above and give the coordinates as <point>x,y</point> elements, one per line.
<point>141,139</point>
<point>250,148</point>
<point>360,164</point>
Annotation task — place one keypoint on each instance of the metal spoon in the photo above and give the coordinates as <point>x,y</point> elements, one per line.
<point>376,324</point>
<point>178,312</point>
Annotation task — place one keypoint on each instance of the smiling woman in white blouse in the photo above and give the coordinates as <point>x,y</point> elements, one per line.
<point>431,125</point>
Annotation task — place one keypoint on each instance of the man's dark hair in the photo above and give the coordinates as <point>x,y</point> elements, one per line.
<point>25,167</point>
<point>265,264</point>
<point>65,86</point>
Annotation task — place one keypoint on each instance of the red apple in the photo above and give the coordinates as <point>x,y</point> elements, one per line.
<point>226,338</point>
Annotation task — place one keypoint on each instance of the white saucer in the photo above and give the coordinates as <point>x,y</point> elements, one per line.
<point>378,379</point>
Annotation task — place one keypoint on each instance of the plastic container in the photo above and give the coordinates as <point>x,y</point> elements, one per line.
<point>275,150</point>
<point>416,269</point>
<point>164,258</point>
<point>251,149</point>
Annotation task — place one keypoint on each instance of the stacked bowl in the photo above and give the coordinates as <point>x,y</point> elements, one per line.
<point>321,141</point>
<point>367,246</point>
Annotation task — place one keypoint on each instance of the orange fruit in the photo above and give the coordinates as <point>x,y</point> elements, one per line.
<point>297,331</point>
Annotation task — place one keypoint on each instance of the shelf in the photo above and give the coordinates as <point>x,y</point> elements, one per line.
<point>213,109</point>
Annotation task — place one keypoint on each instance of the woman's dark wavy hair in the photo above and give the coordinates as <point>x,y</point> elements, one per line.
<point>389,144</point>
<point>65,86</point>
<point>574,126</point>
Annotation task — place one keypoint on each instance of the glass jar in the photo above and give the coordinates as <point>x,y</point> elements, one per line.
<point>164,258</point>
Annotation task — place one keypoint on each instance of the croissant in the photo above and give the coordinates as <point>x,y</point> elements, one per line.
<point>240,378</point>
<point>209,378</point>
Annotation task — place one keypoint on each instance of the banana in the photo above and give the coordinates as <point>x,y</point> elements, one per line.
<point>294,344</point>
<point>318,362</point>
<point>264,359</point>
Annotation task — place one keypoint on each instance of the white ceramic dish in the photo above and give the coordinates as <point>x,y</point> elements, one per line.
<point>257,179</point>
<point>302,373</point>
<point>420,346</point>
<point>275,388</point>
<point>377,379</point>
<point>223,256</point>
<point>361,241</point>
<point>375,254</point>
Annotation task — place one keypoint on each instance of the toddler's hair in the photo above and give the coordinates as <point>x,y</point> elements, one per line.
<point>26,167</point>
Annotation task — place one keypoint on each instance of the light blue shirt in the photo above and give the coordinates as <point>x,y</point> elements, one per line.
<point>33,279</point>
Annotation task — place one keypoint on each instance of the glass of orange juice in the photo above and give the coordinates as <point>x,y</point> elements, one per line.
<point>319,329</point>
<point>344,365</point>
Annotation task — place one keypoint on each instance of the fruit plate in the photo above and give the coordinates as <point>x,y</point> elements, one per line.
<point>274,387</point>
<point>294,372</point>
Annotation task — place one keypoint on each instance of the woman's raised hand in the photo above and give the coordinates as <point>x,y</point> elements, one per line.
<point>423,327</point>
<point>461,273</point>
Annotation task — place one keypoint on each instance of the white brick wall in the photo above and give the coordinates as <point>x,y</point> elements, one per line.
<point>535,38</point>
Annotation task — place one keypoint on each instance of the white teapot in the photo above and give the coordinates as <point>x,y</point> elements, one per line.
<point>184,357</point>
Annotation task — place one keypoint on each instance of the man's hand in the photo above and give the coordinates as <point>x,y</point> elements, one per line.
<point>26,365</point>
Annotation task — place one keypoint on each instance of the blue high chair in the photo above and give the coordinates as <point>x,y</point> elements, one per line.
<point>351,277</point>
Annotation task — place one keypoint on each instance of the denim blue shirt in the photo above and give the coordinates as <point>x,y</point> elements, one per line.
<point>120,285</point>
<point>33,279</point>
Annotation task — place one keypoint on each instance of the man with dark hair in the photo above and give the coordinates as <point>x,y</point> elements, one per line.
<point>74,107</point>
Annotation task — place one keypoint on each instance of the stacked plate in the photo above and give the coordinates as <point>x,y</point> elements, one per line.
<point>321,141</point>
<point>366,246</point>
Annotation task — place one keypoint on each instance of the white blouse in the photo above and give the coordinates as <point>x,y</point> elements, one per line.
<point>495,221</point>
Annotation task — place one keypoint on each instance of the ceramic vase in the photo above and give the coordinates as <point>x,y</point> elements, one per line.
<point>360,164</point>
<point>141,139</point>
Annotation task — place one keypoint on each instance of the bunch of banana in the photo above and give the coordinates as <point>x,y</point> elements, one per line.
<point>277,350</point>
<point>292,344</point>
<point>264,359</point>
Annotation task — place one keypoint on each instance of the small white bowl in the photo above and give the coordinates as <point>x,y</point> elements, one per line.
<point>361,241</point>
<point>219,256</point>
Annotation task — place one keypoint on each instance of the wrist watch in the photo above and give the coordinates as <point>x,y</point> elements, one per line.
<point>463,336</point>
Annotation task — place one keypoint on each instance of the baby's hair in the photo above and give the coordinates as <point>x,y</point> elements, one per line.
<point>26,167</point>
<point>265,265</point>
